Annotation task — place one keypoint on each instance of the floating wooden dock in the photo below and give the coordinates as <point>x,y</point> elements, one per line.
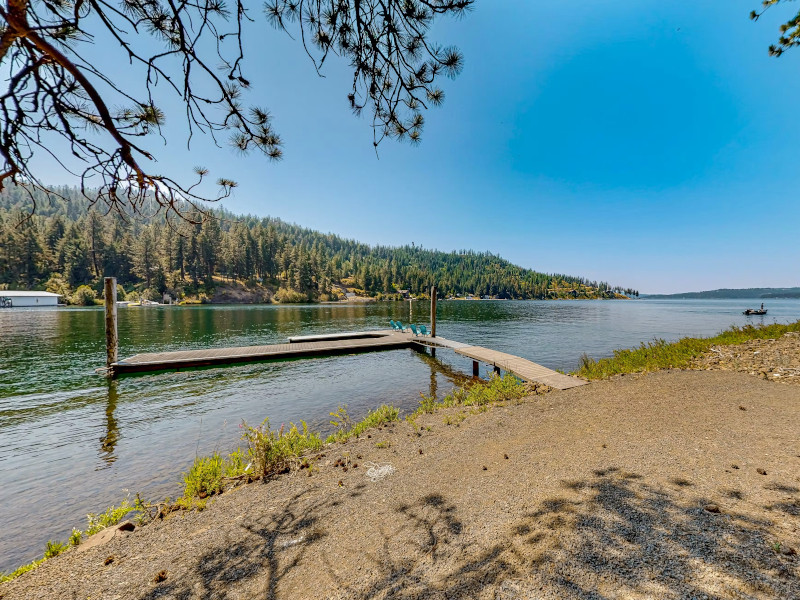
<point>342,343</point>
<point>336,344</point>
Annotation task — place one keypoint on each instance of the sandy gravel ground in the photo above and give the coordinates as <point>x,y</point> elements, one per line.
<point>680,484</point>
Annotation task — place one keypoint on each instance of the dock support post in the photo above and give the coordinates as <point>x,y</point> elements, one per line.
<point>433,311</point>
<point>110,293</point>
<point>433,352</point>
<point>476,369</point>
<point>497,370</point>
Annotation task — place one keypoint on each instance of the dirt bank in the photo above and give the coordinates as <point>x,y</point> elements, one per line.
<point>670,485</point>
<point>236,293</point>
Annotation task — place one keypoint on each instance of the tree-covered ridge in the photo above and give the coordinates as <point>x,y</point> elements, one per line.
<point>728,293</point>
<point>67,244</point>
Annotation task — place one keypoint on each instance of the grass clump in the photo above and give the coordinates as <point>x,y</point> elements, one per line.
<point>21,570</point>
<point>76,537</point>
<point>268,452</point>
<point>96,523</point>
<point>659,354</point>
<point>209,474</point>
<point>109,518</point>
<point>345,430</point>
<point>54,549</point>
<point>479,394</point>
<point>272,452</point>
<point>204,478</point>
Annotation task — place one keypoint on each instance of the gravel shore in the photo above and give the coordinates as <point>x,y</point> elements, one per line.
<point>775,360</point>
<point>682,484</point>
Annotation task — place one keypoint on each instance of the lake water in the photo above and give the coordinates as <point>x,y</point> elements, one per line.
<point>72,442</point>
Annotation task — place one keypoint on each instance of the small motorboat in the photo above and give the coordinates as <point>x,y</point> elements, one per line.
<point>755,311</point>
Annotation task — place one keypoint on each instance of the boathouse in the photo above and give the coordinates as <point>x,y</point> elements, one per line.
<point>18,298</point>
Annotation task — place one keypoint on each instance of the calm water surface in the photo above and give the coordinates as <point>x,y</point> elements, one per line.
<point>72,442</point>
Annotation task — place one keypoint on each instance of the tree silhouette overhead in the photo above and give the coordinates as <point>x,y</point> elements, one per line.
<point>194,49</point>
<point>790,30</point>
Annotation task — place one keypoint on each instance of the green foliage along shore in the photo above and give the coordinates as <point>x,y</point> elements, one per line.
<point>659,354</point>
<point>67,244</point>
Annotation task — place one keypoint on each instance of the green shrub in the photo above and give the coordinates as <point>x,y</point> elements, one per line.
<point>83,296</point>
<point>274,452</point>
<point>54,549</point>
<point>287,296</point>
<point>204,478</point>
<point>112,516</point>
<point>236,465</point>
<point>498,389</point>
<point>58,285</point>
<point>151,294</point>
<point>75,537</point>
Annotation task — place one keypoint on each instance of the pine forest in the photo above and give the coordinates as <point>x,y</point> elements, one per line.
<point>67,246</point>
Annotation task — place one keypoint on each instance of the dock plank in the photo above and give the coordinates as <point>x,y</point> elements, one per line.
<point>521,367</point>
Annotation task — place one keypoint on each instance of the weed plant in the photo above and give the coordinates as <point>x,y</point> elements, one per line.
<point>385,413</point>
<point>659,354</point>
<point>204,478</point>
<point>21,570</point>
<point>96,523</point>
<point>109,518</point>
<point>76,537</point>
<point>273,452</point>
<point>480,394</point>
<point>54,549</point>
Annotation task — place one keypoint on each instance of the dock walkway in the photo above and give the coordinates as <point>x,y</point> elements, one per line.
<point>159,361</point>
<point>341,343</point>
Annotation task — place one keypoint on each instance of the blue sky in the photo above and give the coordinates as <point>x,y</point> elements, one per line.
<point>648,144</point>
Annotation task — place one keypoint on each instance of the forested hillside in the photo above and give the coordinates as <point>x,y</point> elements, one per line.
<point>67,244</point>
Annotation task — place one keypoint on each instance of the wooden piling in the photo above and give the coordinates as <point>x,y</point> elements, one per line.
<point>433,311</point>
<point>112,344</point>
<point>476,368</point>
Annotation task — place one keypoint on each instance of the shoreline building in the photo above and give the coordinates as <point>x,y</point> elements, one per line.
<point>19,299</point>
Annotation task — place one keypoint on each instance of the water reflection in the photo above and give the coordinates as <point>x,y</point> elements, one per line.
<point>452,375</point>
<point>109,441</point>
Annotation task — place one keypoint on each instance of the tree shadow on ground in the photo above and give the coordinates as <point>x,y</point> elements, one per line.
<point>612,535</point>
<point>274,548</point>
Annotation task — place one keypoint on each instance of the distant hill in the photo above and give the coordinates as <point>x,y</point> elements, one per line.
<point>67,244</point>
<point>793,292</point>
